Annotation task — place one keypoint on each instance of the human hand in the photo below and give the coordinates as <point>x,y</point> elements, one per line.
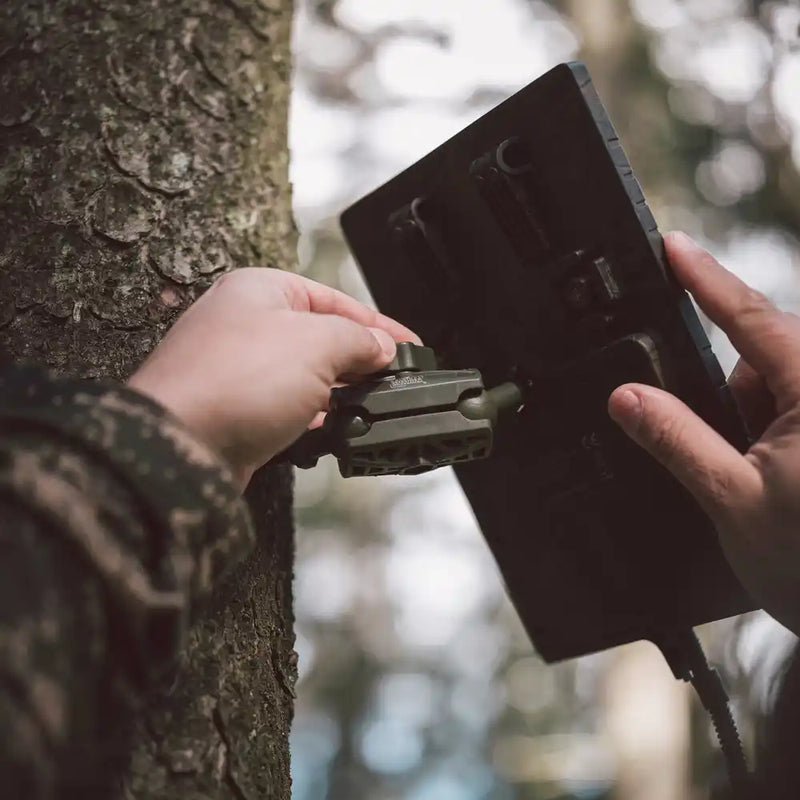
<point>753,499</point>
<point>251,364</point>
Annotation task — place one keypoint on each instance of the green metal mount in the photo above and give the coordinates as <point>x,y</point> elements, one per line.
<point>408,418</point>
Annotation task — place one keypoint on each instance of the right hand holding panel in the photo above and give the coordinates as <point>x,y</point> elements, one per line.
<point>753,499</point>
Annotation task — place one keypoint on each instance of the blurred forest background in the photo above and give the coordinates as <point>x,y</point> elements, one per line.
<point>417,681</point>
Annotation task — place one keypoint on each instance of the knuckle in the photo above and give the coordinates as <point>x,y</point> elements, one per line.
<point>708,260</point>
<point>250,287</point>
<point>755,302</point>
<point>673,447</point>
<point>248,277</point>
<point>233,281</point>
<point>665,434</point>
<point>716,486</point>
<point>793,324</point>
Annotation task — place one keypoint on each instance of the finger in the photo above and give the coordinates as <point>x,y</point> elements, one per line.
<point>343,347</point>
<point>753,397</point>
<point>767,338</point>
<point>304,294</point>
<point>720,478</point>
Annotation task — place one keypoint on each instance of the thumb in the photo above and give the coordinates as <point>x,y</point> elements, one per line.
<point>344,347</point>
<point>719,477</point>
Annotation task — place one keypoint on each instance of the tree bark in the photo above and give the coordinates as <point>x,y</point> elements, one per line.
<point>143,151</point>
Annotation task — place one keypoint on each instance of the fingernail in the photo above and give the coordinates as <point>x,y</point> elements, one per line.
<point>388,346</point>
<point>625,408</point>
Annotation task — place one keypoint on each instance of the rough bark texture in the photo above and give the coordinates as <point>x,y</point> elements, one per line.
<point>143,151</point>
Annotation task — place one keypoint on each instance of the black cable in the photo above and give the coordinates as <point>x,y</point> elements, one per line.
<point>685,656</point>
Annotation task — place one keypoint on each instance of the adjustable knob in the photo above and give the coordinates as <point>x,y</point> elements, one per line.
<point>410,358</point>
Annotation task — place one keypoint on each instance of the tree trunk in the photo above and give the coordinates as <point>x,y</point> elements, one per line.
<point>143,151</point>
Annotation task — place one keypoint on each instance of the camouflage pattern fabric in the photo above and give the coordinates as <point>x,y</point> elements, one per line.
<point>115,523</point>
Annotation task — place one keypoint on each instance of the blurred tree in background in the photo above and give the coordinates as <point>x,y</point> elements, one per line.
<point>416,678</point>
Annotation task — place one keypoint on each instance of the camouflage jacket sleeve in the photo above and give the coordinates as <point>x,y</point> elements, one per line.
<point>114,524</point>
